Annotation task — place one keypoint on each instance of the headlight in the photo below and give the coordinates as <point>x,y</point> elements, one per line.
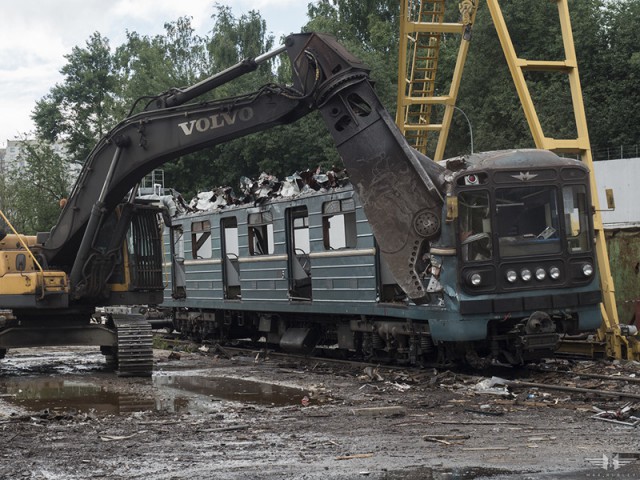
<point>512,276</point>
<point>475,279</point>
<point>541,274</point>
<point>554,273</point>
<point>587,269</point>
<point>525,274</point>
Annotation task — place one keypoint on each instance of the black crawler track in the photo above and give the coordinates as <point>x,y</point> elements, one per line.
<point>134,348</point>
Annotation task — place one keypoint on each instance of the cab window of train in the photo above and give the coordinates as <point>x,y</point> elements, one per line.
<point>527,220</point>
<point>576,218</point>
<point>339,224</point>
<point>201,239</point>
<point>474,222</point>
<point>261,233</point>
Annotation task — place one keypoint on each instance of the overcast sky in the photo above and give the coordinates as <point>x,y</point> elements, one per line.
<point>35,35</point>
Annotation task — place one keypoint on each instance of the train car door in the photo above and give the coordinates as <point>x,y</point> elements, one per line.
<point>298,249</point>
<point>178,274</point>
<point>230,262</point>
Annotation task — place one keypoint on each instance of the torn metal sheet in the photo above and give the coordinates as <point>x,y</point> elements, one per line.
<point>266,187</point>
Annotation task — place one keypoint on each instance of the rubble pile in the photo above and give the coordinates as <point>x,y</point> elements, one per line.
<point>254,192</point>
<point>267,187</point>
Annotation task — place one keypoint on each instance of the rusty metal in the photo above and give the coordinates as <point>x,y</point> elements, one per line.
<point>624,257</point>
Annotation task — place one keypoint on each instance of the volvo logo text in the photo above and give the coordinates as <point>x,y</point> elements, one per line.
<point>217,120</point>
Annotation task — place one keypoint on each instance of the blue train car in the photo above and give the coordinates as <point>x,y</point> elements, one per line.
<point>510,269</point>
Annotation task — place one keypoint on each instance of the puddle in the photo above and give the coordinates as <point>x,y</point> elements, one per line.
<point>181,394</point>
<point>234,389</point>
<point>37,394</point>
<point>460,473</point>
<point>51,362</point>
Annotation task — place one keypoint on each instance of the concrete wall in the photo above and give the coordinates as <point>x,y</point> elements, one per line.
<point>623,176</point>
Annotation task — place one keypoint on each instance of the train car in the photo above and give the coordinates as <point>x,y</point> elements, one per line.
<point>509,270</point>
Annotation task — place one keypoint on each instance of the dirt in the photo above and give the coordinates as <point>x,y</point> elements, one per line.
<point>64,416</point>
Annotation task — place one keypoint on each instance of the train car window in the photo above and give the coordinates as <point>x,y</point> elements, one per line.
<point>527,221</point>
<point>230,228</point>
<point>339,224</point>
<point>474,223</point>
<point>201,239</point>
<point>301,230</point>
<point>260,233</point>
<point>576,218</point>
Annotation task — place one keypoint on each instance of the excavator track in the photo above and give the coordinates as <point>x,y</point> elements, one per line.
<point>134,349</point>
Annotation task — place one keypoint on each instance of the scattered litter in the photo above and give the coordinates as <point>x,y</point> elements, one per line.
<point>445,439</point>
<point>398,386</point>
<point>623,416</point>
<point>225,429</point>
<point>357,455</point>
<point>305,401</point>
<point>493,386</point>
<point>374,411</point>
<point>219,350</point>
<point>373,374</point>
<point>480,449</point>
<point>115,438</point>
<point>485,411</point>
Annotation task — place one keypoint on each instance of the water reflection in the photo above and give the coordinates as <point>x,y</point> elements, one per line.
<point>177,393</point>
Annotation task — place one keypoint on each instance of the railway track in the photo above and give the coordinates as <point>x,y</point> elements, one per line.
<point>580,378</point>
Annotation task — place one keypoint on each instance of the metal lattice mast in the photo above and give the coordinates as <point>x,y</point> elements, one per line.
<point>422,25</point>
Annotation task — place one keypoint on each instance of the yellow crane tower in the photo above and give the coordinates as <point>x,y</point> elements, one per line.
<point>422,26</point>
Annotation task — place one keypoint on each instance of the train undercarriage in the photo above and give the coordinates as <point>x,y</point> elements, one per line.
<point>377,339</point>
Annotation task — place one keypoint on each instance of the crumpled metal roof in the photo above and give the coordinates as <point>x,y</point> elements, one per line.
<point>266,187</point>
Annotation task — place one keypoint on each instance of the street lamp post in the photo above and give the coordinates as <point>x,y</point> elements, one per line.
<point>468,123</point>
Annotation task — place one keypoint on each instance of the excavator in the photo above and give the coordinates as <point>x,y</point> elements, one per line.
<point>106,248</point>
<point>529,210</point>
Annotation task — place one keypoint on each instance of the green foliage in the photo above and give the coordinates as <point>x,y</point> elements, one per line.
<point>35,188</point>
<point>604,39</point>
<point>147,66</point>
<point>78,111</point>
<point>100,86</point>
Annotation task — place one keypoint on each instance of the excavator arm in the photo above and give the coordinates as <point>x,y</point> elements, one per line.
<point>399,190</point>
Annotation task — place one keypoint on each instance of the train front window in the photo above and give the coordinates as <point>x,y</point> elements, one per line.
<point>576,218</point>
<point>527,221</point>
<point>474,222</point>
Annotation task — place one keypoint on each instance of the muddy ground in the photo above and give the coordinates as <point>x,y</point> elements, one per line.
<point>64,416</point>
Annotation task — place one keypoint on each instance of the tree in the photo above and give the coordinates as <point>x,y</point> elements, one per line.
<point>79,110</point>
<point>147,66</point>
<point>614,95</point>
<point>40,181</point>
<point>487,93</point>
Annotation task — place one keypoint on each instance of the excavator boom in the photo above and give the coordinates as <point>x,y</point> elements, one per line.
<point>397,187</point>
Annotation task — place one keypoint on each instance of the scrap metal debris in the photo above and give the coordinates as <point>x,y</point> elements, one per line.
<point>372,374</point>
<point>255,192</point>
<point>493,386</point>
<point>357,455</point>
<point>622,416</point>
